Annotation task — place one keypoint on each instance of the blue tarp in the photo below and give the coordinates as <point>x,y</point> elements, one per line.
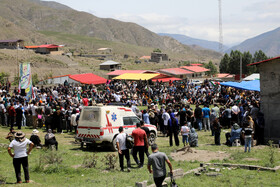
<point>244,85</point>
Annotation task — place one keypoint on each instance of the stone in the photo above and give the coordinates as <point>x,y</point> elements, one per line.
<point>197,173</point>
<point>213,174</point>
<point>177,172</point>
<point>212,169</point>
<point>217,169</point>
<point>141,184</point>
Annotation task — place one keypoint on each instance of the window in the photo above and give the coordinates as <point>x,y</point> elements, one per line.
<point>130,120</point>
<point>90,115</point>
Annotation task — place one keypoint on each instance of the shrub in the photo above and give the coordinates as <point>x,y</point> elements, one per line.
<point>271,155</point>
<point>90,161</point>
<point>2,179</point>
<point>110,161</point>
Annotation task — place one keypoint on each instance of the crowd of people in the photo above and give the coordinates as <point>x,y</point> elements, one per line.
<point>170,107</point>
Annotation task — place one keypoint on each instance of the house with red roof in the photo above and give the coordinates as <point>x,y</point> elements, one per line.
<point>198,72</point>
<point>270,94</point>
<point>47,48</point>
<point>177,72</point>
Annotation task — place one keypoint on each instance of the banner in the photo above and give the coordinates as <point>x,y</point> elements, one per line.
<point>25,81</point>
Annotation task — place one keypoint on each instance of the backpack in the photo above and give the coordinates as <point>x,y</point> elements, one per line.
<point>129,142</point>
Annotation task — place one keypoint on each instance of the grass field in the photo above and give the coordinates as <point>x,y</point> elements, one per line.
<point>70,172</point>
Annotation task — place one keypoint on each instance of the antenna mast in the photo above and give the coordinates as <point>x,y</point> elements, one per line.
<point>220,28</point>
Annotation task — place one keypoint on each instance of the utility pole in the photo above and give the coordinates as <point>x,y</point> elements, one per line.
<point>240,67</point>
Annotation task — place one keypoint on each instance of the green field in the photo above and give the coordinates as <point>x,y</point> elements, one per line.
<point>71,173</point>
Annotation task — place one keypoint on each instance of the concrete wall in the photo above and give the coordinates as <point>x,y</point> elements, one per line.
<point>270,98</point>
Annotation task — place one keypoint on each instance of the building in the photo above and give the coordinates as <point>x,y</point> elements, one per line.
<point>270,94</point>
<point>11,44</point>
<point>47,49</point>
<point>223,77</point>
<point>198,72</point>
<point>105,50</point>
<point>177,72</point>
<point>158,57</point>
<point>110,65</point>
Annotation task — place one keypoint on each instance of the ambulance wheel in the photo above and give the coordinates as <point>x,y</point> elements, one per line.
<point>152,138</point>
<point>113,145</point>
<point>82,145</point>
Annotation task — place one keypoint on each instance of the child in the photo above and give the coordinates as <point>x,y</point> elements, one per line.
<point>247,133</point>
<point>185,133</point>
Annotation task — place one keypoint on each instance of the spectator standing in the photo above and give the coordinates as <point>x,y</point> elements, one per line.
<point>140,138</point>
<point>173,130</point>
<point>122,149</point>
<point>185,134</point>
<point>146,129</point>
<point>157,160</point>
<point>20,155</point>
<point>165,117</point>
<point>217,131</point>
<point>146,117</point>
<point>11,115</point>
<point>198,116</point>
<point>206,114</point>
<point>2,113</point>
<point>247,133</point>
<point>19,114</point>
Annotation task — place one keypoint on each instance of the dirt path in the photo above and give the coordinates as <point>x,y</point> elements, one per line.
<point>190,154</point>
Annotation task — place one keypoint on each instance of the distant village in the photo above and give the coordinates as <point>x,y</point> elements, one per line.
<point>194,72</point>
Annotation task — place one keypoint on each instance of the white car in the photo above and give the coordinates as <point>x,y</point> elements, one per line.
<point>99,125</point>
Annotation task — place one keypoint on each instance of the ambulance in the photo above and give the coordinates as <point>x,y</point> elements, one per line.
<point>99,125</point>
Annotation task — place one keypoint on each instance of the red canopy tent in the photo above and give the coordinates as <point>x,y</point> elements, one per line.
<point>88,78</point>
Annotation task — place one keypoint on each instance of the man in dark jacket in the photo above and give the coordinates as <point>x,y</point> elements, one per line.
<point>173,129</point>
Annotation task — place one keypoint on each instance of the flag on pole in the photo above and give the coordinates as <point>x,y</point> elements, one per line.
<point>25,81</point>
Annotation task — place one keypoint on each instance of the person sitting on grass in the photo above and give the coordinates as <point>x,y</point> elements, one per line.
<point>35,138</point>
<point>185,134</point>
<point>193,138</point>
<point>50,140</point>
<point>11,135</point>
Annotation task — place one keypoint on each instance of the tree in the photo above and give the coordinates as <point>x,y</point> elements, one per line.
<point>3,78</point>
<point>259,56</point>
<point>224,64</point>
<point>234,63</point>
<point>157,51</point>
<point>247,59</point>
<point>35,79</point>
<point>212,67</point>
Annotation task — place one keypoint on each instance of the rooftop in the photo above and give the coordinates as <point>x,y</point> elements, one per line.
<point>176,71</point>
<point>196,69</point>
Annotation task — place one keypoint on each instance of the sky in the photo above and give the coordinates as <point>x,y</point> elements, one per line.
<point>241,19</point>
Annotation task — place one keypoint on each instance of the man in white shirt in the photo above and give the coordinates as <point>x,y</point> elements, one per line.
<point>235,111</point>
<point>165,117</point>
<point>122,149</point>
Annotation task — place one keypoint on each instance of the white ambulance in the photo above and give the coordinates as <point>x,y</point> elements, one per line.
<point>99,125</point>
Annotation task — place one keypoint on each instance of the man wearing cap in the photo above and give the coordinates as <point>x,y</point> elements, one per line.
<point>157,160</point>
<point>20,155</point>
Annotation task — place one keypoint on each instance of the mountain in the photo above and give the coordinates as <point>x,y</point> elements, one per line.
<point>193,41</point>
<point>268,42</point>
<point>38,16</point>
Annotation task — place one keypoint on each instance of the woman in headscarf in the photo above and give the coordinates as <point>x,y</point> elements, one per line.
<point>50,139</point>
<point>20,155</point>
<point>193,138</point>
